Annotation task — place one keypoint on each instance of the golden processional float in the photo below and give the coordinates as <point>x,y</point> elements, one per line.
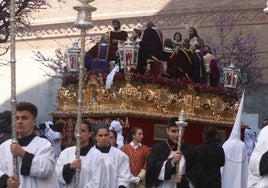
<point>145,101</point>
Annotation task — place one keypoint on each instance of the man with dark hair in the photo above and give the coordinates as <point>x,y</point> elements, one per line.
<point>35,154</point>
<point>161,162</point>
<point>208,158</point>
<point>136,36</point>
<point>117,34</point>
<point>152,53</point>
<point>67,162</point>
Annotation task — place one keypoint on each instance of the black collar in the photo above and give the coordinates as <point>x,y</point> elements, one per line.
<point>26,140</point>
<point>173,146</point>
<point>104,149</point>
<point>84,150</point>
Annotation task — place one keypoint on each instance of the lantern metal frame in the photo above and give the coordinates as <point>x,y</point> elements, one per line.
<point>73,56</point>
<point>128,54</point>
<point>230,76</point>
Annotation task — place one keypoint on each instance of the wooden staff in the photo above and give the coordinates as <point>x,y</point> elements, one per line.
<point>182,124</point>
<point>13,82</point>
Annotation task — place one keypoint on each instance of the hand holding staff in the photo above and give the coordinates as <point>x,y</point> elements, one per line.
<point>182,124</point>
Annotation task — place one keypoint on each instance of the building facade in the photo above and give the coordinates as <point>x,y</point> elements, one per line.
<point>53,28</point>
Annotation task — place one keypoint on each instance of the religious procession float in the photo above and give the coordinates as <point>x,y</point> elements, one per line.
<point>146,101</point>
<point>143,100</point>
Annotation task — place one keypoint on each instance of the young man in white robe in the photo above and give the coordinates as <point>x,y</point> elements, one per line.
<point>67,162</point>
<point>108,166</point>
<point>36,157</point>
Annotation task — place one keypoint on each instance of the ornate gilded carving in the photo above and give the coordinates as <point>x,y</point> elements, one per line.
<point>145,99</point>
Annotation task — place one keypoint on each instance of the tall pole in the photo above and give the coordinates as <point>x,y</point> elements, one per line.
<point>13,81</point>
<point>83,23</point>
<point>181,124</point>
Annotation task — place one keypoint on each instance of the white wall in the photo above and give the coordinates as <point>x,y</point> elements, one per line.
<point>31,84</point>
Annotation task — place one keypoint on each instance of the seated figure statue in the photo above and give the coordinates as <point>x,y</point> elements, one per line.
<point>100,55</point>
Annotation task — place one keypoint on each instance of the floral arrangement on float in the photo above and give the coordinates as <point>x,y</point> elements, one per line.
<point>72,78</point>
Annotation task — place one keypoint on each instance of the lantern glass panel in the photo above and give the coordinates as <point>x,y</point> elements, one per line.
<point>230,74</point>
<point>73,58</point>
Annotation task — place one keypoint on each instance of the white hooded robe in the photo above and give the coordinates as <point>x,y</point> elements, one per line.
<point>234,173</point>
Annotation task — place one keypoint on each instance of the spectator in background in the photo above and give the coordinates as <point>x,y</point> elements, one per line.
<point>5,126</point>
<point>113,138</point>
<point>249,139</point>
<point>117,127</point>
<point>52,133</point>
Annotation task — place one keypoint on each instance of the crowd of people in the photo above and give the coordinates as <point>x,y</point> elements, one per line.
<point>175,58</point>
<point>108,160</point>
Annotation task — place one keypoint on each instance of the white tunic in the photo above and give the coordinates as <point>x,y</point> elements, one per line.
<point>170,183</point>
<point>68,156</point>
<point>42,171</point>
<point>254,178</point>
<point>107,170</point>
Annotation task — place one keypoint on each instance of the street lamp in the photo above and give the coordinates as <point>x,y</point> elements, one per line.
<point>265,10</point>
<point>83,22</point>
<point>230,76</point>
